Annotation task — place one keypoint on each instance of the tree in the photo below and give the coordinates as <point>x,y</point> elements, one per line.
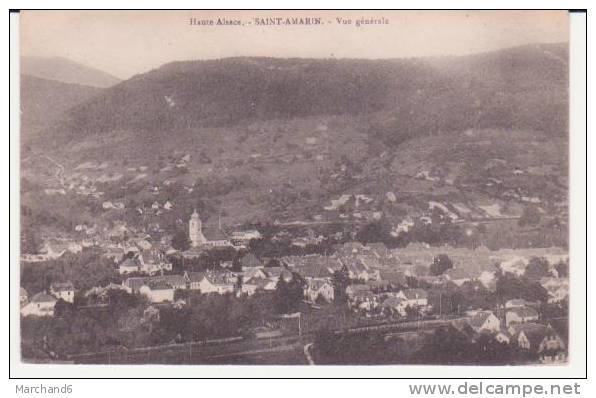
<point>289,295</point>
<point>538,267</point>
<point>180,241</point>
<point>510,286</point>
<point>441,263</point>
<point>530,217</point>
<point>62,308</point>
<point>562,268</point>
<point>340,281</point>
<point>374,232</point>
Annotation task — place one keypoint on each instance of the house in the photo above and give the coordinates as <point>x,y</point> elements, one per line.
<point>521,315</point>
<point>414,297</point>
<point>154,261</point>
<point>357,269</point>
<point>317,267</point>
<point>275,273</point>
<point>379,249</point>
<point>435,280</point>
<point>540,339</point>
<point>461,275</point>
<point>23,297</point>
<point>215,237</point>
<point>210,237</point>
<point>212,282</point>
<point>101,293</point>
<point>242,238</point>
<point>254,272</point>
<point>41,304</point>
<point>249,260</point>
<point>502,336</point>
<point>194,279</point>
<point>396,279</point>
<point>557,288</point>
<point>395,305</point>
<point>485,320</point>
<point>348,249</point>
<point>520,303</point>
<point>130,265</point>
<point>134,284</point>
<point>364,300</point>
<point>379,286</point>
<point>114,253</point>
<point>251,286</point>
<point>158,291</point>
<point>178,282</point>
<point>516,266</point>
<point>63,290</point>
<point>357,289</point>
<point>372,264</point>
<point>319,289</point>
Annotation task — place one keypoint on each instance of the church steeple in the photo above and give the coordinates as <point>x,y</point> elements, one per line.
<point>195,230</point>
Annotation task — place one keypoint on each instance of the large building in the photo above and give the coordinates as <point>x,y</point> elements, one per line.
<point>195,230</point>
<point>211,237</point>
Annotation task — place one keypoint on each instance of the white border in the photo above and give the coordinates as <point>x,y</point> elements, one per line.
<point>576,368</point>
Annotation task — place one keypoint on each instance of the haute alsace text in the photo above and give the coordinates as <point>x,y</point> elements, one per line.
<point>295,21</point>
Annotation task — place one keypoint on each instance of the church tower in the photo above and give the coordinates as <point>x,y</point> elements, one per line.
<point>195,233</point>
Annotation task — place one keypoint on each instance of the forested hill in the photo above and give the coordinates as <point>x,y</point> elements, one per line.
<point>523,87</point>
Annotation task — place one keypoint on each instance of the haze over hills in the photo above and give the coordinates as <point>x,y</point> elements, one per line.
<point>44,101</point>
<point>66,71</point>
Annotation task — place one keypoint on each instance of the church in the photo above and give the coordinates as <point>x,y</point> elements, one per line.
<point>204,238</point>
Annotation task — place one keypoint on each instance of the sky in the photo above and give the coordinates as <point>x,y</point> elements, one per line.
<point>125,43</point>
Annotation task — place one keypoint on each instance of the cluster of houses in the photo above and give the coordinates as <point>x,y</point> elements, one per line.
<point>520,327</point>
<point>43,303</point>
<point>378,276</point>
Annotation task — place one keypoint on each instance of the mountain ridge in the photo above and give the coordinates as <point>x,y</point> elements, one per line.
<point>66,71</point>
<point>503,89</point>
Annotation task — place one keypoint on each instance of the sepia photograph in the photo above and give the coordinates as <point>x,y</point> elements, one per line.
<point>308,188</point>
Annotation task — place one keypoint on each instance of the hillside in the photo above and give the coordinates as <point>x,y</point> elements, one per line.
<point>521,88</point>
<point>66,71</point>
<point>43,102</point>
<point>264,140</point>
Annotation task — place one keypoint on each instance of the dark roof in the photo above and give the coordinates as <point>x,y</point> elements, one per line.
<point>393,302</point>
<point>478,320</point>
<point>524,312</point>
<point>315,270</point>
<point>131,263</point>
<point>195,276</point>
<point>250,260</point>
<point>213,234</point>
<point>378,284</point>
<point>159,285</point>
<point>62,286</point>
<point>42,297</point>
<point>415,294</point>
<point>393,277</point>
<point>274,272</point>
<point>219,278</point>
<point>534,332</point>
<point>353,264</point>
<point>359,288</point>
<point>316,284</point>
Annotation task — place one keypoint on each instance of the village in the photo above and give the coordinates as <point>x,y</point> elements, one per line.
<point>516,297</point>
